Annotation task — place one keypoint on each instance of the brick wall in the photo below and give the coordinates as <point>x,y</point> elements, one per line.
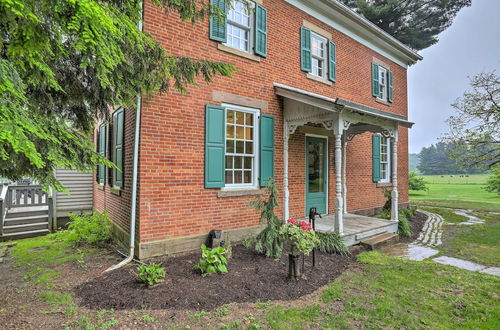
<point>173,201</point>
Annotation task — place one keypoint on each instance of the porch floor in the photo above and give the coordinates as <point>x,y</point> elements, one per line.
<point>356,227</point>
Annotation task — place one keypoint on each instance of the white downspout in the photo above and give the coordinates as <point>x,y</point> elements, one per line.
<point>134,174</point>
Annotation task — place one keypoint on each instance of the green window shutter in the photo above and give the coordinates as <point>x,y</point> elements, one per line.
<point>376,157</point>
<point>375,82</point>
<point>332,61</point>
<point>218,26</point>
<point>118,131</point>
<point>97,142</point>
<point>260,30</point>
<point>305,50</point>
<point>389,87</point>
<point>102,152</point>
<point>109,136</point>
<point>214,146</point>
<point>266,148</point>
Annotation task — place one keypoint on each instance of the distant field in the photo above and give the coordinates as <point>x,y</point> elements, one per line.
<point>457,192</point>
<point>457,179</point>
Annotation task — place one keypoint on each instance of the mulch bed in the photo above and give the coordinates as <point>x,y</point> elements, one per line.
<point>251,278</point>
<point>416,223</point>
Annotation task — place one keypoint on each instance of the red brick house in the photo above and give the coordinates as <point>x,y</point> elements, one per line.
<point>319,104</point>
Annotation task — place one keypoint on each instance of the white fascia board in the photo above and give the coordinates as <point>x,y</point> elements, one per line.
<point>326,14</point>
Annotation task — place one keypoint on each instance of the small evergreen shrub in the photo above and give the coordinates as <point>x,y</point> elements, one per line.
<point>212,261</point>
<point>331,243</point>
<point>151,274</point>
<point>269,240</point>
<point>493,182</point>
<point>404,225</point>
<point>416,182</point>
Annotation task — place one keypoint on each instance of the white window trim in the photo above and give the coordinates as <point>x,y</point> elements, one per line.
<point>384,71</point>
<point>256,169</point>
<point>325,55</point>
<point>251,31</point>
<point>388,170</point>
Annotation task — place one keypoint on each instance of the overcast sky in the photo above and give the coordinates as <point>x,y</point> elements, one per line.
<point>471,45</point>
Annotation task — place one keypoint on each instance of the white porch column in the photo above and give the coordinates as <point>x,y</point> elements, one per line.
<point>344,171</point>
<point>286,192</point>
<point>394,171</point>
<point>339,214</point>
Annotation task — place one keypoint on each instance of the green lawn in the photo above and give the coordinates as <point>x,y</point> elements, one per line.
<point>392,293</point>
<point>457,192</point>
<point>479,243</point>
<point>456,179</point>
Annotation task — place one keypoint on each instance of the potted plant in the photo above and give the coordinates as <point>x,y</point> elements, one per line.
<point>302,239</point>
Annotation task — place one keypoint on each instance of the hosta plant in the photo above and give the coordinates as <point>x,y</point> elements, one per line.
<point>151,274</point>
<point>212,261</point>
<point>300,235</point>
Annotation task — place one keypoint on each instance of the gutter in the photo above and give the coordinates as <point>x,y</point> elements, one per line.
<point>134,173</point>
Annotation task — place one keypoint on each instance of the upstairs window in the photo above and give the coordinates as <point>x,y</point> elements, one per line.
<point>244,28</point>
<point>239,27</point>
<point>318,52</point>
<point>382,87</point>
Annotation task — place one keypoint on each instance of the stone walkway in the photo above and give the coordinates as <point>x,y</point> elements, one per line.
<point>423,247</point>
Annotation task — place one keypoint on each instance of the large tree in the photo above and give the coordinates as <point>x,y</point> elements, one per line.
<point>475,127</point>
<point>416,23</point>
<point>63,63</point>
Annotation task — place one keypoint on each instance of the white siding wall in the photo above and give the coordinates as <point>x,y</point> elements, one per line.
<point>80,188</point>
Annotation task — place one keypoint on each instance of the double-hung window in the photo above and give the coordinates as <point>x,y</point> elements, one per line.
<point>243,28</point>
<point>382,87</point>
<point>239,147</point>
<point>239,27</point>
<point>318,52</point>
<point>385,159</point>
<point>241,157</point>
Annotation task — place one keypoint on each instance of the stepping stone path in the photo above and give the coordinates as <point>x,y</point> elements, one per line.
<point>432,231</point>
<point>430,237</point>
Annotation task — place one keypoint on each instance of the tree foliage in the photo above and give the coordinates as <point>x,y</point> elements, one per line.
<point>416,23</point>
<point>65,63</point>
<point>493,182</point>
<point>416,182</point>
<point>475,128</point>
<point>438,160</point>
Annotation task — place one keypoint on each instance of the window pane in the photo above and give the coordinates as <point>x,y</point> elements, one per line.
<point>238,178</point>
<point>248,119</point>
<point>229,177</point>
<point>238,162</point>
<point>248,133</point>
<point>249,148</point>
<point>229,162</point>
<point>230,131</point>
<point>248,163</point>
<point>248,177</point>
<point>230,116</point>
<point>240,147</point>
<point>229,146</point>
<point>240,132</point>
<point>240,118</point>
<point>316,164</point>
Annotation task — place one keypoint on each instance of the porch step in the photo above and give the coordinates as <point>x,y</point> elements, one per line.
<point>12,221</point>
<point>24,214</point>
<point>24,234</point>
<point>377,241</point>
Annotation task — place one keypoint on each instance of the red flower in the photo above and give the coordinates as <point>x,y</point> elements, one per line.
<point>292,221</point>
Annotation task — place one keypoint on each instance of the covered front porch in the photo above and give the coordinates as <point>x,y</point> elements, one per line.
<point>340,121</point>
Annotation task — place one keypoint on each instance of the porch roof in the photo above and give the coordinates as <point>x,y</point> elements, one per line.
<point>338,104</point>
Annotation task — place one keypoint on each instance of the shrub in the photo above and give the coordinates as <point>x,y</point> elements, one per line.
<point>151,274</point>
<point>300,235</point>
<point>416,182</point>
<point>493,182</point>
<point>385,214</point>
<point>331,243</point>
<point>404,226</point>
<point>212,261</point>
<point>269,240</point>
<point>408,212</point>
<point>88,228</point>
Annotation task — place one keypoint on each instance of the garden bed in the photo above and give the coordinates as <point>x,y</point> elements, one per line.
<point>416,224</point>
<point>251,278</point>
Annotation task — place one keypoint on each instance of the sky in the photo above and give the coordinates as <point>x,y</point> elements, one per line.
<point>469,46</point>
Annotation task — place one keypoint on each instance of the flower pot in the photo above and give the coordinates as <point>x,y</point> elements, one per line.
<point>294,266</point>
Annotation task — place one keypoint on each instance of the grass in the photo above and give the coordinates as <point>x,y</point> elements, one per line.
<point>396,293</point>
<point>479,243</point>
<point>447,214</point>
<point>457,192</point>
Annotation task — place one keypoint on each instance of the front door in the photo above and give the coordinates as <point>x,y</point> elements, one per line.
<point>316,173</point>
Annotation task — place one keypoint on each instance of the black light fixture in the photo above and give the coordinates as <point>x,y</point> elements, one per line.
<point>214,238</point>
